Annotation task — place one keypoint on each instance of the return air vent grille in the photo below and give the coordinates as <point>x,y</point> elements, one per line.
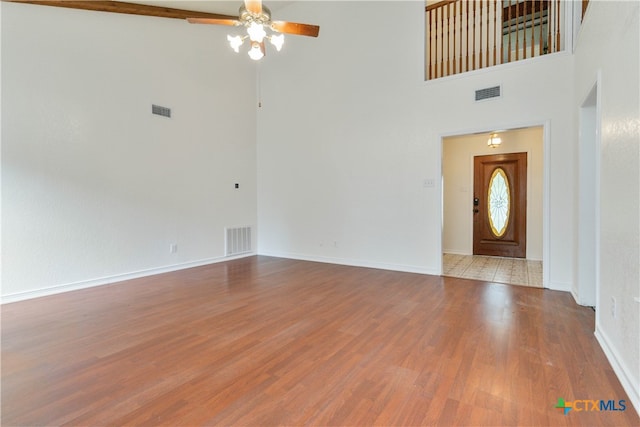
<point>237,240</point>
<point>161,111</point>
<point>488,93</point>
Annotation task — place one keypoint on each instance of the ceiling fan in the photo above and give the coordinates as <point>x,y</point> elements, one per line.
<point>256,18</point>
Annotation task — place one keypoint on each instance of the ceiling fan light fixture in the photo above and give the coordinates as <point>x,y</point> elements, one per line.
<point>277,40</point>
<point>256,32</point>
<point>256,20</point>
<point>255,52</point>
<point>235,42</point>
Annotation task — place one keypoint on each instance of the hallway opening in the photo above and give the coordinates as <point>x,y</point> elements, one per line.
<point>462,207</point>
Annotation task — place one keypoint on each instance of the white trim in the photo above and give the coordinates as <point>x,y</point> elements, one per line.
<point>588,141</point>
<point>454,252</point>
<point>558,286</point>
<point>83,284</point>
<point>440,198</point>
<point>493,68</point>
<point>598,166</point>
<point>354,263</point>
<point>575,296</point>
<point>546,208</point>
<point>629,384</point>
<point>578,22</point>
<point>506,126</point>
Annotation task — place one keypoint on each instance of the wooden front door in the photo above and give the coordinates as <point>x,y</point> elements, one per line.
<point>500,205</point>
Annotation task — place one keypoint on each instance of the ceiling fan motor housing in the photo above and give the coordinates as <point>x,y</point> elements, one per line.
<point>247,17</point>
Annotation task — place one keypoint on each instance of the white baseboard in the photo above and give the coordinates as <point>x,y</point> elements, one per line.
<point>456,252</point>
<point>575,296</point>
<point>354,263</point>
<point>559,286</point>
<point>629,384</point>
<point>21,296</point>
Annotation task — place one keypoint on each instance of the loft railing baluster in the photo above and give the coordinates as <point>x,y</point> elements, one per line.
<point>557,25</point>
<point>540,44</point>
<point>434,43</point>
<point>517,31</point>
<point>452,31</point>
<point>429,45</point>
<point>549,39</point>
<point>452,38</point>
<point>481,53</point>
<point>466,16</point>
<point>524,31</point>
<point>495,17</point>
<point>442,43</point>
<point>533,28</point>
<point>458,23</point>
<point>460,41</point>
<point>488,50</point>
<point>510,32</point>
<point>448,22</point>
<point>473,36</point>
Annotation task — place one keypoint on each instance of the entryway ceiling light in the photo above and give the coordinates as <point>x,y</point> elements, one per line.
<point>494,140</point>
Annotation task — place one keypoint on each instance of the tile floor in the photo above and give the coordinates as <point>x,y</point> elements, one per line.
<point>513,271</point>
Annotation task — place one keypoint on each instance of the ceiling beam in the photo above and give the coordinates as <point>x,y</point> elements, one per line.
<point>128,8</point>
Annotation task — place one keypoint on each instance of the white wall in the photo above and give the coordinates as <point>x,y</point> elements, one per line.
<point>608,44</point>
<point>349,130</point>
<point>457,173</point>
<point>94,186</point>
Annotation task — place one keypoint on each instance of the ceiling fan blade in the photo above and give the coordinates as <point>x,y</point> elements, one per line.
<point>253,6</point>
<point>126,8</point>
<point>213,21</point>
<point>295,28</point>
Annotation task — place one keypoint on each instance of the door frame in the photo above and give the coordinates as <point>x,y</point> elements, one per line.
<point>546,138</point>
<point>589,108</point>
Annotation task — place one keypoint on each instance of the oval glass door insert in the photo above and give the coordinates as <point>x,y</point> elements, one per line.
<point>499,205</point>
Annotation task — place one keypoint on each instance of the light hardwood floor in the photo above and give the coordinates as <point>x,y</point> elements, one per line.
<point>268,341</point>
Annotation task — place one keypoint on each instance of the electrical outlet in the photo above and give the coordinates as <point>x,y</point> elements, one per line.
<point>173,248</point>
<point>613,307</point>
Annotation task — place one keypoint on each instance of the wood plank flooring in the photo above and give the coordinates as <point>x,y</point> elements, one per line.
<point>269,341</point>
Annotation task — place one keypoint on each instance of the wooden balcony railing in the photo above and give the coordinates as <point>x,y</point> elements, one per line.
<point>585,4</point>
<point>469,35</point>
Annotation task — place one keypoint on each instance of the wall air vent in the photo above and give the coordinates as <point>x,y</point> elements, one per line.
<point>237,240</point>
<point>161,111</point>
<point>488,93</point>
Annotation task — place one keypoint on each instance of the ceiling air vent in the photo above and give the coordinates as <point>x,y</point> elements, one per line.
<point>488,93</point>
<point>161,111</point>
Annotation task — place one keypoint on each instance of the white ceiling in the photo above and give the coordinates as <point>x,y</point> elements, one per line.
<point>224,7</point>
